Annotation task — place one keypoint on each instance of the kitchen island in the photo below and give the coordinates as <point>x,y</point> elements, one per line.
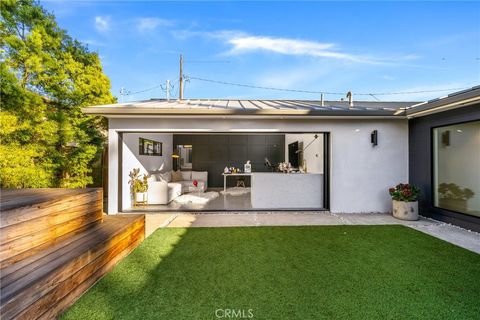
<point>274,190</point>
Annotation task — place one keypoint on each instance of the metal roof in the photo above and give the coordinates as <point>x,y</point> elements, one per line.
<point>250,107</point>
<point>288,108</point>
<point>454,100</point>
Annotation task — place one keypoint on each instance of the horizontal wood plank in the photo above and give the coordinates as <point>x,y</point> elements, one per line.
<point>90,274</point>
<point>21,229</point>
<point>46,275</point>
<point>47,235</point>
<point>59,201</point>
<point>54,245</point>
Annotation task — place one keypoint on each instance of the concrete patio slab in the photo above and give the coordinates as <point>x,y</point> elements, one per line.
<point>464,238</point>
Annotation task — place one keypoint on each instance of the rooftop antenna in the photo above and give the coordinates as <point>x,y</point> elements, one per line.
<point>180,88</point>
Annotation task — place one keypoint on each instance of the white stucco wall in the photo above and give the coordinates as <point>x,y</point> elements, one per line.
<point>360,173</point>
<point>147,164</point>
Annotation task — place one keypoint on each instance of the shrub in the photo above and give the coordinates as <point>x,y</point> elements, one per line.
<point>404,192</point>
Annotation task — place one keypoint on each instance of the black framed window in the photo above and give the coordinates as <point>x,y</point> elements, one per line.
<point>456,167</point>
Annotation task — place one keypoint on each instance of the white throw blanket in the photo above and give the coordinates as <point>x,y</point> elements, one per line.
<point>197,197</point>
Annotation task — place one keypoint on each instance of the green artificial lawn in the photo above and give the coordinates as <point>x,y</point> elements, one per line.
<point>329,272</point>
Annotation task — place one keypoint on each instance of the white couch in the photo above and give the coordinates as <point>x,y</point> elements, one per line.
<point>162,190</point>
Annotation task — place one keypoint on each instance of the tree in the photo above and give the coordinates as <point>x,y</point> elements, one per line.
<point>46,77</point>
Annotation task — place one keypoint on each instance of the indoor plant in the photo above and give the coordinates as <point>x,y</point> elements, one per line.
<point>405,204</point>
<point>453,197</point>
<point>138,186</point>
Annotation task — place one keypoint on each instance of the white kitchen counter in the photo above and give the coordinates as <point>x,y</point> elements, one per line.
<point>272,190</point>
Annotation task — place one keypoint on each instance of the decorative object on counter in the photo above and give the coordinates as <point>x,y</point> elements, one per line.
<point>405,201</point>
<point>285,167</point>
<point>304,166</point>
<point>138,187</point>
<point>247,167</point>
<point>454,197</point>
<point>226,170</point>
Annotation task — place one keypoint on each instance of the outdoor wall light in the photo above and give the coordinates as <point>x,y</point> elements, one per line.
<point>374,138</point>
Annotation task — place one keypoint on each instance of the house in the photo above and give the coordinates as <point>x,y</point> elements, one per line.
<point>343,155</point>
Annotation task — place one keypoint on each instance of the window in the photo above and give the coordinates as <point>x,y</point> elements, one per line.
<point>456,168</point>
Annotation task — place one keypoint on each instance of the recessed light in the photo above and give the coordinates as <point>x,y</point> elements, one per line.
<point>459,130</point>
<point>357,130</point>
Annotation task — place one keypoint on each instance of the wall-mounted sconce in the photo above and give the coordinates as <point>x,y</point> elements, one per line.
<point>374,138</point>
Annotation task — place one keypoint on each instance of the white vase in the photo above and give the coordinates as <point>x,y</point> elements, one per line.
<point>140,196</point>
<point>404,210</point>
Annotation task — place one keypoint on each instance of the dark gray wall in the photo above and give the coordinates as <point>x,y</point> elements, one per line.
<point>213,152</point>
<point>420,161</point>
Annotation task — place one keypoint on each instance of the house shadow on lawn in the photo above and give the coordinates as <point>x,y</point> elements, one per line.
<point>288,273</point>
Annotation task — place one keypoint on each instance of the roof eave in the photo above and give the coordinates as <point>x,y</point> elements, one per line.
<point>116,112</point>
<point>443,104</point>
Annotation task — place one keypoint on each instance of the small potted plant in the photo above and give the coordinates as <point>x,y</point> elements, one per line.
<point>405,204</point>
<point>138,186</point>
<point>453,197</point>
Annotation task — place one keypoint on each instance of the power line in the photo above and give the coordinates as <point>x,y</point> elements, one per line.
<point>142,91</point>
<point>320,92</point>
<point>265,88</point>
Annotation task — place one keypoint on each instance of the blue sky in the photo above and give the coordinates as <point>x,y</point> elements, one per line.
<point>365,47</point>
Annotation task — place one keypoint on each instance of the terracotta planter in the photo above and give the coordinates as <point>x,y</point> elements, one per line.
<point>405,210</point>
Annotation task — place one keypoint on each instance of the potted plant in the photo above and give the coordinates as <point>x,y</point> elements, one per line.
<point>453,197</point>
<point>405,204</point>
<point>138,186</point>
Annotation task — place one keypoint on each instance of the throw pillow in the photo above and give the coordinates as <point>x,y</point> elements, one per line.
<point>177,176</point>
<point>165,177</point>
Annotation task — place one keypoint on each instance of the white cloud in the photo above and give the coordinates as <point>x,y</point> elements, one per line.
<point>387,77</point>
<point>245,43</point>
<point>102,23</point>
<point>150,24</point>
<point>241,43</point>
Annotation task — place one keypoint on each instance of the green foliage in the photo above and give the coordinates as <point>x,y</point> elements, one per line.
<point>46,77</point>
<point>138,183</point>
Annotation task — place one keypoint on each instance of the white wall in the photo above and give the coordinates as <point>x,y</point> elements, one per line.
<point>132,159</point>
<point>360,173</point>
<point>313,154</point>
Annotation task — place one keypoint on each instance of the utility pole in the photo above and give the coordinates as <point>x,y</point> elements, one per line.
<point>167,86</point>
<point>180,88</point>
